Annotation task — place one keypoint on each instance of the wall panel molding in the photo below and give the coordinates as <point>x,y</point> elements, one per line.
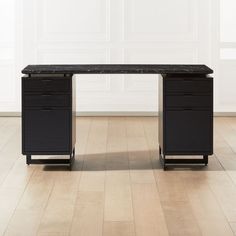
<point>156,21</point>
<point>78,21</point>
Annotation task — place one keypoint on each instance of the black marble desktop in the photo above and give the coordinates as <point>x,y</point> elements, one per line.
<point>117,69</point>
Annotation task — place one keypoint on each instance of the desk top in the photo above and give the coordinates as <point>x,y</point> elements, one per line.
<point>117,69</point>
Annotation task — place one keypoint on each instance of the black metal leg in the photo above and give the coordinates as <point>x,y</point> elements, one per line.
<point>67,161</point>
<point>205,158</point>
<point>162,158</point>
<point>164,162</point>
<point>28,159</point>
<point>72,158</point>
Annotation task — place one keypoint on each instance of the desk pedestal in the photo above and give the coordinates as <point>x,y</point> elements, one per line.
<point>48,118</point>
<point>185,119</point>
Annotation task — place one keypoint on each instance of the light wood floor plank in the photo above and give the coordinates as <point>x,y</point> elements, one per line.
<point>8,129</point>
<point>93,175</point>
<point>29,211</point>
<point>83,125</point>
<point>139,161</point>
<point>139,156</point>
<point>118,199</point>
<point>223,149</point>
<point>170,186</point>
<point>116,144</point>
<point>224,128</point>
<point>232,175</point>
<point>88,215</point>
<point>148,213</point>
<point>18,176</point>
<point>133,125</point>
<point>9,154</point>
<point>225,191</point>
<point>233,226</point>
<point>59,211</point>
<point>150,125</point>
<point>24,223</point>
<point>180,219</point>
<point>205,207</point>
<point>14,174</point>
<point>176,206</point>
<point>89,207</point>
<point>9,198</point>
<point>118,229</point>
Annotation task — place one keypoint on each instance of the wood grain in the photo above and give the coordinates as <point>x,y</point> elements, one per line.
<point>117,186</point>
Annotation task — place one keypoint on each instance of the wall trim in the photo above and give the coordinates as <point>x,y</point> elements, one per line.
<point>222,114</point>
<point>10,114</point>
<point>117,113</point>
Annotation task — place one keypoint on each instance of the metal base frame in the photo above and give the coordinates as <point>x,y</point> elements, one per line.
<point>167,162</point>
<point>69,161</point>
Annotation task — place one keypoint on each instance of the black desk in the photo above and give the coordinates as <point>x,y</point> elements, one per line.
<point>185,109</point>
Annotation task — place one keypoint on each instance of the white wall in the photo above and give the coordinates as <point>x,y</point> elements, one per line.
<point>224,54</point>
<point>116,31</point>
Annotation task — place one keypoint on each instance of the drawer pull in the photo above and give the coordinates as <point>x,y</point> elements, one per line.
<point>188,94</point>
<point>46,109</point>
<point>188,109</point>
<point>46,80</point>
<point>46,95</point>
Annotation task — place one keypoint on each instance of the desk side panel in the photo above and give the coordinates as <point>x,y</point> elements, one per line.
<point>161,112</point>
<point>73,131</point>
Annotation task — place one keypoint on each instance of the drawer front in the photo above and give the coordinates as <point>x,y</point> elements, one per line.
<point>188,101</point>
<point>189,85</point>
<point>189,131</point>
<point>46,130</point>
<point>46,84</point>
<point>47,100</point>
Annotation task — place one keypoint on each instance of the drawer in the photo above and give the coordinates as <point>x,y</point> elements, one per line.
<point>46,130</point>
<point>48,100</point>
<point>46,84</point>
<point>188,85</point>
<point>189,131</point>
<point>188,101</point>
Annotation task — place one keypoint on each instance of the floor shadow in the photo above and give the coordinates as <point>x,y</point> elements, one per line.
<point>135,160</point>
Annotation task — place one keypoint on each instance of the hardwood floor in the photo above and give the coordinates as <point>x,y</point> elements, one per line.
<point>117,186</point>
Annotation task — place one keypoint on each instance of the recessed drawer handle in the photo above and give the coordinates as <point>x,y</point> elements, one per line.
<point>188,94</point>
<point>188,109</point>
<point>46,109</point>
<point>46,80</point>
<point>46,95</point>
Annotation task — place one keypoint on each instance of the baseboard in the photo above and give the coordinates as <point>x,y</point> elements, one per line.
<point>141,113</point>
<point>222,114</point>
<point>10,114</point>
<point>118,113</point>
